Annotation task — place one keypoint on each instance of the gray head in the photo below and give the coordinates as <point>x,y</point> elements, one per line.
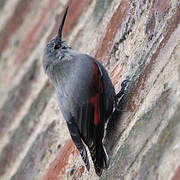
<point>52,50</point>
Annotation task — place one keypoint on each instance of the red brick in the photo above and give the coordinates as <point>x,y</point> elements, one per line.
<point>140,82</point>
<point>14,22</point>
<point>163,7</point>
<point>16,99</point>
<point>36,31</point>
<point>26,128</point>
<point>31,163</point>
<point>156,13</point>
<point>31,37</point>
<point>116,74</point>
<point>76,8</point>
<point>58,167</point>
<point>78,172</point>
<point>176,174</point>
<point>116,21</point>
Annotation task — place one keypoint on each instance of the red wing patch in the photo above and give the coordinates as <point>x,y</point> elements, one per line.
<point>96,82</point>
<point>97,87</point>
<point>95,101</point>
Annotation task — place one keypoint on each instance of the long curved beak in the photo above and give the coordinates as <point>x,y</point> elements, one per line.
<point>62,24</point>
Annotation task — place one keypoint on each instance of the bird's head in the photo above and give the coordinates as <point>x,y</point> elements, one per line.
<point>54,47</point>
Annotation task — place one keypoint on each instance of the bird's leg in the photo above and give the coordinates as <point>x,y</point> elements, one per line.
<point>120,95</point>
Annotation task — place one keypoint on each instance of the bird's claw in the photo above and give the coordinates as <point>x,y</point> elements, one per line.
<point>120,95</point>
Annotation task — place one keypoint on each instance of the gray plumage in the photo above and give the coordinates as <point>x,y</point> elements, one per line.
<point>85,95</point>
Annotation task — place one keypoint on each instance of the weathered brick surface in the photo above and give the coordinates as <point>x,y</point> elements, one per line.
<point>11,26</point>
<point>138,40</point>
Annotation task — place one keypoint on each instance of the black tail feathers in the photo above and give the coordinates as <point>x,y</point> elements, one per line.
<point>100,158</point>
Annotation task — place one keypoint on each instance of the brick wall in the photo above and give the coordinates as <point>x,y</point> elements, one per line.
<point>137,39</point>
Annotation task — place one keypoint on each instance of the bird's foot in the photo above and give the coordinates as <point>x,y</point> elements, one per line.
<point>120,95</point>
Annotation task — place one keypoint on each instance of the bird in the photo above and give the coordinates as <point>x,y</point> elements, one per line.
<point>85,94</point>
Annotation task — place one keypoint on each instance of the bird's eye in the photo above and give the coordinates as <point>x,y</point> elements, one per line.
<point>56,47</point>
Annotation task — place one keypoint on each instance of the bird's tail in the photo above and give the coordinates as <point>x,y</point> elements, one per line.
<point>99,157</point>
